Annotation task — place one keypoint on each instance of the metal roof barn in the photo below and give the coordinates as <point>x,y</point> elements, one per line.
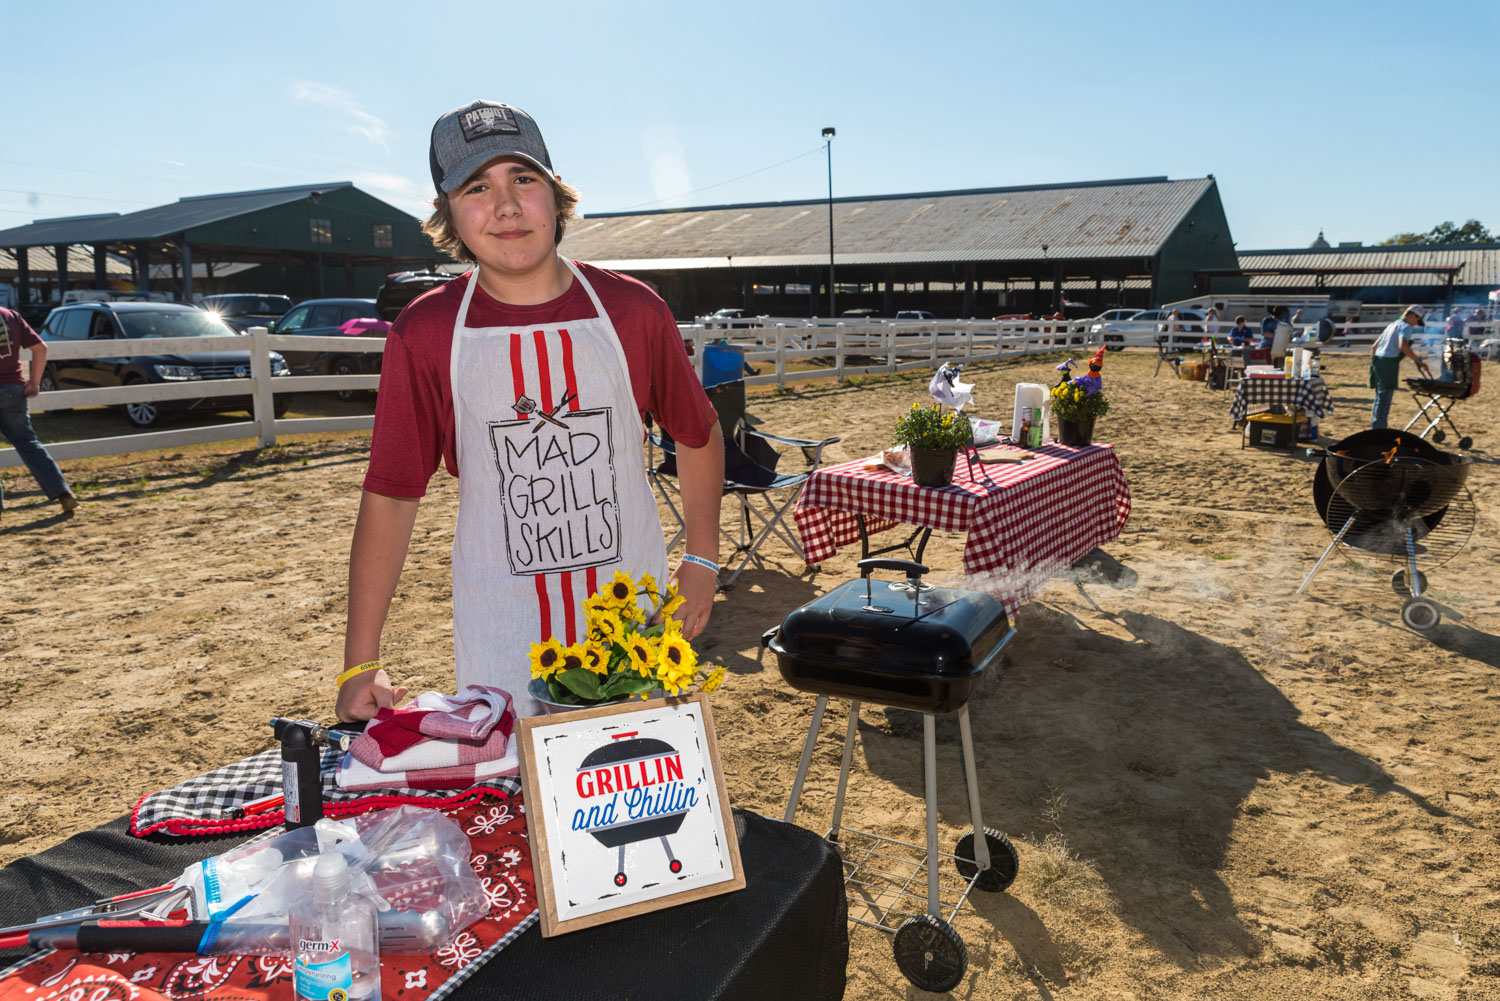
<point>1354,272</point>
<point>986,250</point>
<point>300,233</point>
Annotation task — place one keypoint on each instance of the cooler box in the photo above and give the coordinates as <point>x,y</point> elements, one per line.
<point>1273,430</point>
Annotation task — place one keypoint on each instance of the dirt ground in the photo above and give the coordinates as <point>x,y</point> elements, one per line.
<point>1217,788</point>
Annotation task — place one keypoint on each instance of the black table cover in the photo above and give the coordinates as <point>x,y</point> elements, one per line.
<point>785,935</point>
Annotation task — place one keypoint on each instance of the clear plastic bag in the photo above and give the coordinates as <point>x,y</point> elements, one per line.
<point>411,861</point>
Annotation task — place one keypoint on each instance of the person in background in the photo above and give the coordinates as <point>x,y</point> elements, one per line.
<point>1267,328</point>
<point>1240,334</point>
<point>1211,324</point>
<point>15,421</point>
<point>1456,324</point>
<point>1385,362</point>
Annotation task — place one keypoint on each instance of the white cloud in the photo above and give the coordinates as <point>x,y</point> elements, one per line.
<point>398,189</point>
<point>358,121</point>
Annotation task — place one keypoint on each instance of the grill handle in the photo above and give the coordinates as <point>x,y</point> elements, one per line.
<point>913,571</point>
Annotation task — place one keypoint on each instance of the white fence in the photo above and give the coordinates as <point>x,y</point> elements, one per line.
<point>259,385</point>
<point>787,351</point>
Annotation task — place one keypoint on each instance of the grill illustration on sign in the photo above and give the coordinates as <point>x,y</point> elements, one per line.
<point>629,761</point>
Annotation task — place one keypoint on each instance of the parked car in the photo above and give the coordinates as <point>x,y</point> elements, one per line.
<point>1144,327</point>
<point>914,314</point>
<point>323,318</point>
<point>401,288</point>
<point>243,310</point>
<point>93,321</point>
<point>860,313</point>
<point>1105,319</point>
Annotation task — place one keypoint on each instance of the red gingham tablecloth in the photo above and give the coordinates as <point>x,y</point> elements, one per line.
<point>1026,521</point>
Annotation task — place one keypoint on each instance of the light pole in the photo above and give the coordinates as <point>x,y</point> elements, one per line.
<point>828,134</point>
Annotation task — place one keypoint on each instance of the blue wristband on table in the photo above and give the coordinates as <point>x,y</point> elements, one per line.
<point>700,561</point>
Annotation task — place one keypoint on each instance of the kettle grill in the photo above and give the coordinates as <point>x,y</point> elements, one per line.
<point>907,645</point>
<point>1395,496</point>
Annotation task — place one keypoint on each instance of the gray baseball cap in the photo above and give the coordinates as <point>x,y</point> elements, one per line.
<point>469,137</point>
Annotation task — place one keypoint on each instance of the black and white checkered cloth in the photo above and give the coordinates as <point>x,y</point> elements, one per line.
<point>1308,395</point>
<point>224,799</point>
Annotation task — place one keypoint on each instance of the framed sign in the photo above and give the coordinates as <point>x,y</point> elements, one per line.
<point>626,811</point>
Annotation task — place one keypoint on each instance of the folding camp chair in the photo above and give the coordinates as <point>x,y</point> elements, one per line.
<point>1442,395</point>
<point>750,460</point>
<point>1162,356</point>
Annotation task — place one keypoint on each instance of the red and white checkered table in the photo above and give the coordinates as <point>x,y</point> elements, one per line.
<point>1026,520</point>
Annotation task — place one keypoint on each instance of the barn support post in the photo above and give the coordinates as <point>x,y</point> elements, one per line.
<point>23,275</point>
<point>187,270</point>
<point>100,281</point>
<point>60,253</point>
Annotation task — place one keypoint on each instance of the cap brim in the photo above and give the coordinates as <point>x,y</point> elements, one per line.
<point>466,169</point>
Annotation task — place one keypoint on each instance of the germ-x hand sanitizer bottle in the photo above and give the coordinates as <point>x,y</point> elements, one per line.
<point>335,938</point>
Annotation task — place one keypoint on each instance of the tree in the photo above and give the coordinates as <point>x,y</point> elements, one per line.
<point>1472,231</point>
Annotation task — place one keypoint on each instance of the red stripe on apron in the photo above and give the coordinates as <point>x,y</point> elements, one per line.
<point>564,579</point>
<point>570,378</point>
<point>518,377</point>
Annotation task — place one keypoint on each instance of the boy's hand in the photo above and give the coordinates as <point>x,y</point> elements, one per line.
<point>363,695</point>
<point>697,585</point>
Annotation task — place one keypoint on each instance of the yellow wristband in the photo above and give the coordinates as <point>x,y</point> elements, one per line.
<point>369,665</point>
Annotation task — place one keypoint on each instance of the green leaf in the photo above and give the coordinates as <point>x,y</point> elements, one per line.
<point>559,694</point>
<point>628,683</point>
<point>581,682</point>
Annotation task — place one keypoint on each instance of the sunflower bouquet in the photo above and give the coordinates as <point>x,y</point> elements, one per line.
<point>621,655</point>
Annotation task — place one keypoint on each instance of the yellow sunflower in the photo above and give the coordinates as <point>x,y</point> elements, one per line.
<point>677,656</point>
<point>546,658</point>
<point>595,604</point>
<point>714,680</point>
<point>620,591</point>
<point>607,628</point>
<point>572,656</point>
<point>674,602</point>
<point>649,588</point>
<point>596,658</point>
<point>642,651</point>
<point>631,613</point>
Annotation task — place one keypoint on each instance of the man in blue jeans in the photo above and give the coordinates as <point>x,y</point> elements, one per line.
<point>15,422</point>
<point>1385,362</point>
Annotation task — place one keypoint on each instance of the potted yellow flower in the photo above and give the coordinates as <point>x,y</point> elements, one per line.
<point>620,655</point>
<point>934,439</point>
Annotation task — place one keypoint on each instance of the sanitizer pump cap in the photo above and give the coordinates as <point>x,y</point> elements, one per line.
<point>331,878</point>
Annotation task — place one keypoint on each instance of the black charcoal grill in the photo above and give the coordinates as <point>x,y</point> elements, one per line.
<point>1387,492</point>
<point>911,646</point>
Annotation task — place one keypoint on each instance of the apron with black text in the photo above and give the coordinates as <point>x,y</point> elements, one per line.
<point>552,489</point>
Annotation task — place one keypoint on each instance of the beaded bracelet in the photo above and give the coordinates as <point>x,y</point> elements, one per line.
<point>369,665</point>
<point>700,561</point>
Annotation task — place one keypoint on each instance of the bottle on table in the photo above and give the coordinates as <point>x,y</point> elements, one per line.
<point>335,937</point>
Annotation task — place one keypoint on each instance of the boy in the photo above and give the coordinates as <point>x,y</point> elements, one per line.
<point>527,378</point>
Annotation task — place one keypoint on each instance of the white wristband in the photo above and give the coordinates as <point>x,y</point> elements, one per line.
<point>700,561</point>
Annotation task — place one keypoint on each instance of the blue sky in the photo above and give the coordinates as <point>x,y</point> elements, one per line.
<point>1363,119</point>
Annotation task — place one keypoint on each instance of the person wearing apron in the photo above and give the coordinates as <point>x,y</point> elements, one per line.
<point>546,428</point>
<point>1385,362</point>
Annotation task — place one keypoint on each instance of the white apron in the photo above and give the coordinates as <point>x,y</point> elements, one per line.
<point>548,509</point>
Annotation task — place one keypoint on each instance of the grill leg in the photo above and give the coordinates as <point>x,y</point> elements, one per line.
<point>981,843</point>
<point>1336,540</point>
<point>929,769</point>
<point>807,749</point>
<point>838,800</point>
<point>1411,562</point>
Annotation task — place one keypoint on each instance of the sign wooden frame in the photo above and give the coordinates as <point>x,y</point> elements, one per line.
<point>671,793</point>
